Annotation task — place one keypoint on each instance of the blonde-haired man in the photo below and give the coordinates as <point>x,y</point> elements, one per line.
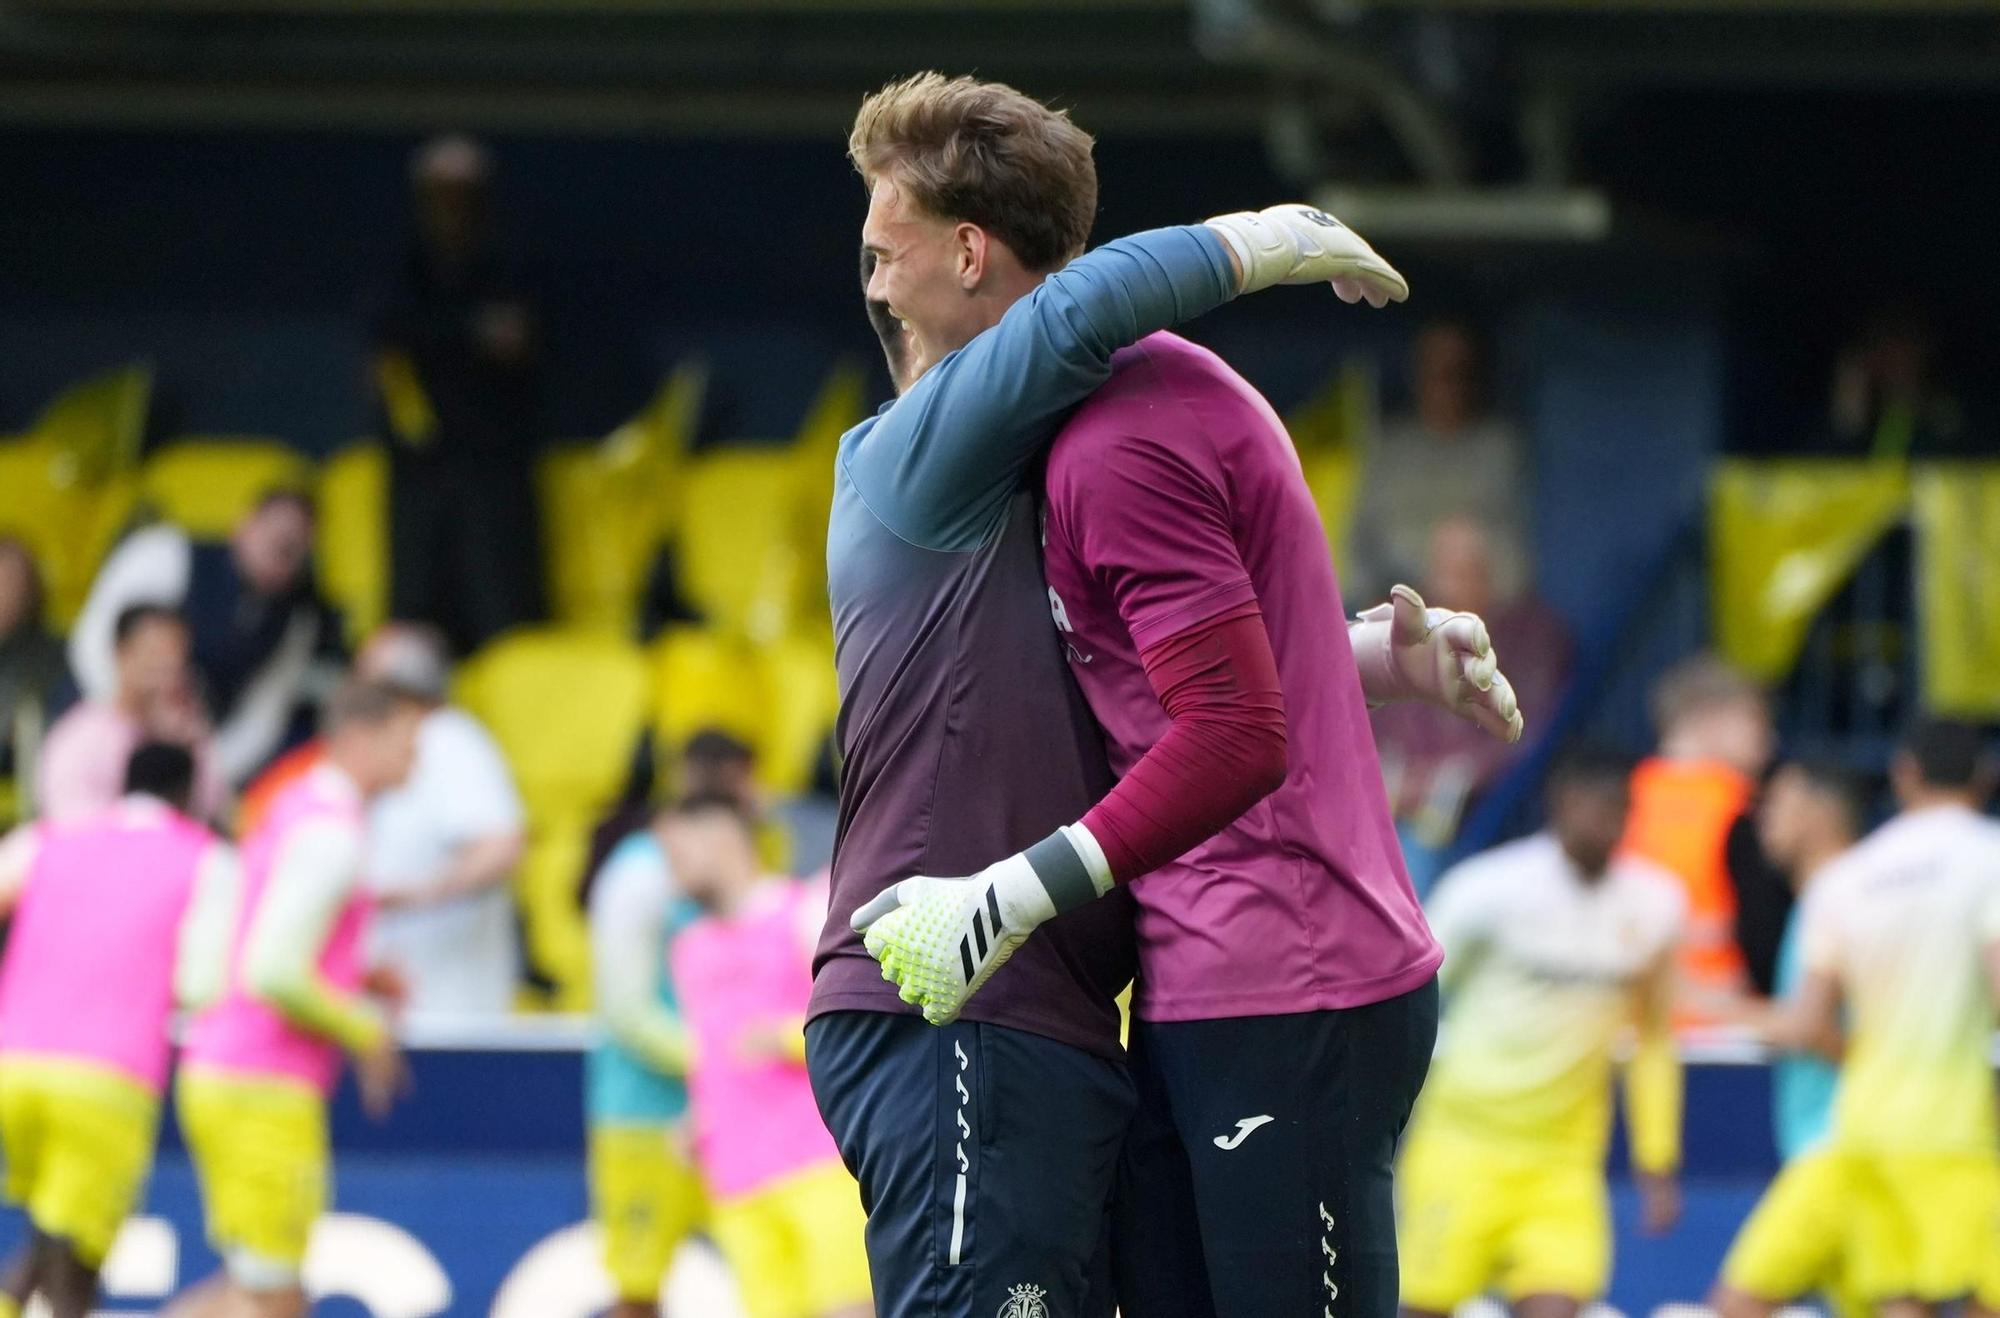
<point>963,736</point>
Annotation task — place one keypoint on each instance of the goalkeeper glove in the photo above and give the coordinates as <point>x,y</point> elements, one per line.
<point>1408,652</point>
<point>1297,244</point>
<point>940,940</point>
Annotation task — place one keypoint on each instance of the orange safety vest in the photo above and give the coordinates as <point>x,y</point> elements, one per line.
<point>1682,811</point>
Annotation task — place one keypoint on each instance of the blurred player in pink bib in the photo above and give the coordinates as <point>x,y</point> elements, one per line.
<point>115,914</point>
<point>787,1215</point>
<point>260,1066</point>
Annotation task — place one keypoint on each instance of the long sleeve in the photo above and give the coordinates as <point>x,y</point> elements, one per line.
<point>630,913</point>
<point>18,850</point>
<point>1222,752</point>
<point>201,963</point>
<point>1653,1081</point>
<point>309,885</point>
<point>152,566</point>
<point>939,464</point>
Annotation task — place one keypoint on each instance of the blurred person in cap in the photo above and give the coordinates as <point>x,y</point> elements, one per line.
<point>458,377</point>
<point>1795,1241</point>
<point>443,846</point>
<point>151,697</point>
<point>1437,765</point>
<point>1688,800</point>
<point>1450,456</point>
<point>34,676</point>
<point>265,645</point>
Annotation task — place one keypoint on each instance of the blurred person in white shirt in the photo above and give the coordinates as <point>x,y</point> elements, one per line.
<point>443,847</point>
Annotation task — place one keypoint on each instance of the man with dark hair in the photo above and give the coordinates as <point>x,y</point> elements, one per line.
<point>1794,1243</point>
<point>1554,946</point>
<point>259,1068</point>
<point>263,642</point>
<point>115,916</point>
<point>152,697</point>
<point>962,736</point>
<point>1904,930</point>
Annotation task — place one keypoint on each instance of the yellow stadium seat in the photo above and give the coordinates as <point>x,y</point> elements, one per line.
<point>743,556</point>
<point>608,505</point>
<point>205,486</point>
<point>68,522</point>
<point>778,696</point>
<point>704,678</point>
<point>568,709</point>
<point>1334,477</point>
<point>99,423</point>
<point>353,544</point>
<point>801,697</point>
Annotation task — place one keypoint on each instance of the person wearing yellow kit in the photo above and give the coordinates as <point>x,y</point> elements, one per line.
<point>1555,948</point>
<point>1904,930</point>
<point>1796,1241</point>
<point>787,1214</point>
<point>258,1068</point>
<point>115,916</point>
<point>644,1193</point>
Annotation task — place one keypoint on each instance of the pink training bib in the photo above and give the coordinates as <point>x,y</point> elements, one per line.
<point>242,1033</point>
<point>89,971</point>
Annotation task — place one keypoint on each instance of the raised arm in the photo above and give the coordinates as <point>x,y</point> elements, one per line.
<point>940,463</point>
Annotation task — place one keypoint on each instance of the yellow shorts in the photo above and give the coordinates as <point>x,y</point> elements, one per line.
<point>259,1146</point>
<point>1472,1218</point>
<point>1797,1240</point>
<point>78,1141</point>
<point>795,1247</point>
<point>645,1199</point>
<point>1923,1223</point>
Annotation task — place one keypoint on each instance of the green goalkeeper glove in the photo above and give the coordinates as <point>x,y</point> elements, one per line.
<point>940,940</point>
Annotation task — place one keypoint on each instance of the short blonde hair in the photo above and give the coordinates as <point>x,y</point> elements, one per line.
<point>985,154</point>
<point>1697,685</point>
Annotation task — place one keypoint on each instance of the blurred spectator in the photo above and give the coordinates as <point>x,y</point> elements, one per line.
<point>1688,800</point>
<point>785,1214</point>
<point>1450,457</point>
<point>442,847</point>
<point>1887,400</point>
<point>458,355</point>
<point>152,698</point>
<point>265,642</point>
<point>1434,762</point>
<point>33,675</point>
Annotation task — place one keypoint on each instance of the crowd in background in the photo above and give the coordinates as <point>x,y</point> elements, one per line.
<point>228,646</point>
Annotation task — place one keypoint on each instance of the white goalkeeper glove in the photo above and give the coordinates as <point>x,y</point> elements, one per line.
<point>1297,244</point>
<point>1408,652</point>
<point>940,940</point>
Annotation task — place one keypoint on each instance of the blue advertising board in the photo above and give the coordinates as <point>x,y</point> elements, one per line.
<point>468,1203</point>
